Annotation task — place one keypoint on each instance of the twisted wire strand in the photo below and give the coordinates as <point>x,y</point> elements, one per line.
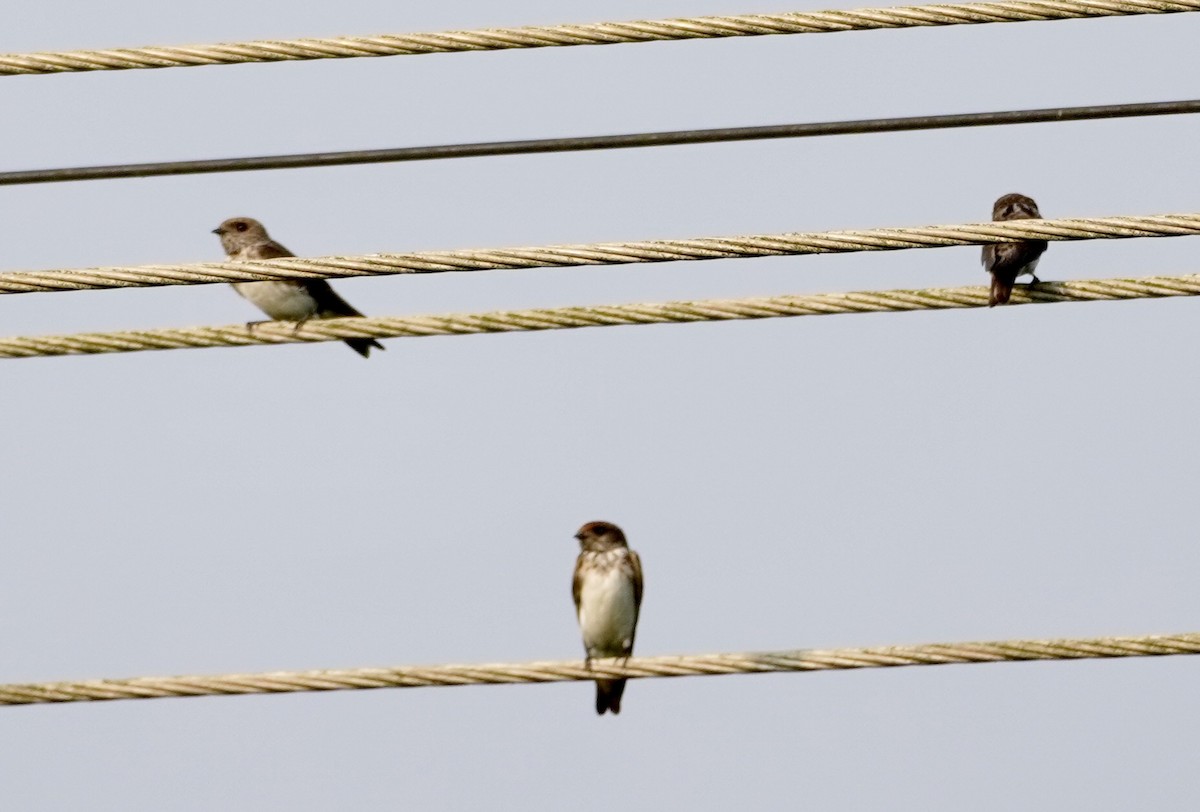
<point>742,25</point>
<point>617,253</point>
<point>593,316</point>
<point>573,670</point>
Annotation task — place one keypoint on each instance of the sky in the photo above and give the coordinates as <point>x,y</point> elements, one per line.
<point>1020,472</point>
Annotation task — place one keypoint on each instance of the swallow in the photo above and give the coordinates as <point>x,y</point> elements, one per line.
<point>1007,260</point>
<point>607,588</point>
<point>246,239</point>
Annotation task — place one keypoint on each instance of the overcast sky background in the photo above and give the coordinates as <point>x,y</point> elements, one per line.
<point>845,481</point>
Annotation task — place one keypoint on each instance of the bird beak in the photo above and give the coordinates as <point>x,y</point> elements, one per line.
<point>216,231</point>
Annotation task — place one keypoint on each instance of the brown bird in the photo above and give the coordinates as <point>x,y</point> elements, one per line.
<point>243,239</point>
<point>1006,261</point>
<point>608,594</point>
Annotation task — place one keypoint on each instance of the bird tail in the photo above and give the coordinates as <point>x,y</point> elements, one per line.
<point>363,346</point>
<point>1001,291</point>
<point>608,695</point>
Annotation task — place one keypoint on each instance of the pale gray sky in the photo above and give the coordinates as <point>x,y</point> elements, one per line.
<point>843,481</point>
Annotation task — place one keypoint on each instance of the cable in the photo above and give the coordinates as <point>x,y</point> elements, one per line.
<point>562,318</point>
<point>743,25</point>
<point>617,253</point>
<point>597,142</point>
<point>573,670</point>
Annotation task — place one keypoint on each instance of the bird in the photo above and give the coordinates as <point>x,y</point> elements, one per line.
<point>244,238</point>
<point>1008,260</point>
<point>607,588</point>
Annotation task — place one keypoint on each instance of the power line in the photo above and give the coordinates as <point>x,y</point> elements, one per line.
<point>561,318</point>
<point>445,676</point>
<point>615,253</point>
<point>599,142</point>
<point>742,25</point>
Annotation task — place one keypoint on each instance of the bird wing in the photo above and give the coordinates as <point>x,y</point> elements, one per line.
<point>577,583</point>
<point>635,574</point>
<point>633,564</point>
<point>329,304</point>
<point>266,250</point>
<point>1011,257</point>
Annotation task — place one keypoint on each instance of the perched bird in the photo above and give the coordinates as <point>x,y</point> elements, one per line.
<point>244,238</point>
<point>1006,261</point>
<point>608,593</point>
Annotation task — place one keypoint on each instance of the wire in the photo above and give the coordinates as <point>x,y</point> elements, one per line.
<point>743,25</point>
<point>598,142</point>
<point>617,253</point>
<point>562,318</point>
<point>445,676</point>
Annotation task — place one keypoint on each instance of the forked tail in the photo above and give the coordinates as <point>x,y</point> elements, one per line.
<point>608,695</point>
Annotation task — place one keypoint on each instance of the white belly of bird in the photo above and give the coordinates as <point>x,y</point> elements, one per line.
<point>282,301</point>
<point>607,613</point>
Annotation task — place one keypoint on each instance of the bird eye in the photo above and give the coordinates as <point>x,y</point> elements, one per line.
<point>240,225</point>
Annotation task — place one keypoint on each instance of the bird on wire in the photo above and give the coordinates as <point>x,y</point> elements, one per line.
<point>607,588</point>
<point>1008,260</point>
<point>244,238</point>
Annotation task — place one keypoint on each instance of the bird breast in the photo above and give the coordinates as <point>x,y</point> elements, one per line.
<point>607,609</point>
<point>282,301</point>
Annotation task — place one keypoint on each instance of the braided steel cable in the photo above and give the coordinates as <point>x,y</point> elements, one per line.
<point>573,670</point>
<point>709,27</point>
<point>594,316</point>
<point>618,253</point>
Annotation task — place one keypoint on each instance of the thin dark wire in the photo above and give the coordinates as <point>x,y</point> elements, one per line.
<point>655,139</point>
